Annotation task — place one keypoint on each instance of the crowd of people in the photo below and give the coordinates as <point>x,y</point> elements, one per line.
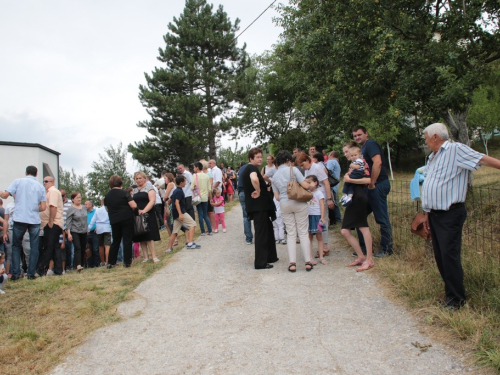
<point>46,233</point>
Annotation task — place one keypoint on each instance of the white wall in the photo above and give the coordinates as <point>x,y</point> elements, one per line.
<point>15,159</point>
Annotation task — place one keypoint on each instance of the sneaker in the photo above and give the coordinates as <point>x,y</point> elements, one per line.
<point>210,234</point>
<point>216,231</point>
<point>102,264</point>
<point>168,251</point>
<point>1,291</point>
<point>283,242</point>
<point>64,272</point>
<point>344,197</point>
<point>249,242</point>
<point>203,234</point>
<point>347,201</point>
<point>193,246</point>
<point>50,273</point>
<point>223,231</point>
<point>277,241</point>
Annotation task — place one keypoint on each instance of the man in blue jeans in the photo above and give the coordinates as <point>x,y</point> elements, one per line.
<point>30,201</point>
<point>241,196</point>
<point>377,191</point>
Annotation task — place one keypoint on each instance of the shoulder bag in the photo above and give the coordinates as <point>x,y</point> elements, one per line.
<point>196,200</point>
<point>295,191</point>
<point>331,178</point>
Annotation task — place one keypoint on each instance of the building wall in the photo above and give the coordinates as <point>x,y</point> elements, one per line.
<point>15,159</point>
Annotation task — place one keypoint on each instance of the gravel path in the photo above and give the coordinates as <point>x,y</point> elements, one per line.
<point>210,312</point>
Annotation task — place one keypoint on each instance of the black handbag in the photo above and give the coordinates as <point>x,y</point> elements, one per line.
<point>331,179</point>
<point>141,225</point>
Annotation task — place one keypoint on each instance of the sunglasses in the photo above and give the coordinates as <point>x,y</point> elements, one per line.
<point>46,181</point>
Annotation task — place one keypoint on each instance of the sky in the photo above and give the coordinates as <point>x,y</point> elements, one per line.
<point>70,70</point>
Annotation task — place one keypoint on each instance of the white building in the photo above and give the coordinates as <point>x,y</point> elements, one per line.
<point>16,156</point>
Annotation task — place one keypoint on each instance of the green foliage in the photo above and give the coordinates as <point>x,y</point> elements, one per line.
<point>71,182</point>
<point>191,98</point>
<point>484,114</point>
<point>383,61</point>
<point>233,158</point>
<point>113,162</point>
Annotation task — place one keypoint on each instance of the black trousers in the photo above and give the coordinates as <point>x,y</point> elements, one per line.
<point>159,208</point>
<point>122,230</point>
<point>446,233</point>
<point>189,207</point>
<point>265,246</point>
<point>51,249</point>
<point>80,244</point>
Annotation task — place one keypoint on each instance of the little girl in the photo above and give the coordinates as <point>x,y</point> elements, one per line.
<point>218,203</point>
<point>316,216</point>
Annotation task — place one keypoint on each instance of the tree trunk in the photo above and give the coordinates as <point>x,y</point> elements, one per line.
<point>457,123</point>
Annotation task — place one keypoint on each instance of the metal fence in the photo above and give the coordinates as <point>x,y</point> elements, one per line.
<point>481,232</point>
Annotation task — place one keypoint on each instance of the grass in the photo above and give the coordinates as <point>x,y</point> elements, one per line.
<point>412,275</point>
<point>44,319</point>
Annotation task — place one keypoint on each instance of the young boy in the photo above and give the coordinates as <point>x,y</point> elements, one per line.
<point>181,217</point>
<point>356,171</point>
<point>3,274</point>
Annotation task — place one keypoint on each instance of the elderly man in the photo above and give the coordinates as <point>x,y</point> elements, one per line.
<point>188,193</point>
<point>378,189</point>
<point>261,209</point>
<point>30,200</point>
<point>216,175</point>
<point>443,196</point>
<point>52,225</point>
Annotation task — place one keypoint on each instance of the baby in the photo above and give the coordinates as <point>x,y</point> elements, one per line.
<point>356,171</point>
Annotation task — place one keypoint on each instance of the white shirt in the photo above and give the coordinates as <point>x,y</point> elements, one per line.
<point>101,220</point>
<point>187,189</point>
<point>217,176</point>
<point>319,171</point>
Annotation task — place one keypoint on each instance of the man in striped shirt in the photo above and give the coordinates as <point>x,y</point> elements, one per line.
<point>443,196</point>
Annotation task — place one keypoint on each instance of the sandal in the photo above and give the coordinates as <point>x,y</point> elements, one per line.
<point>365,266</point>
<point>79,269</point>
<point>294,267</point>
<point>309,266</point>
<point>156,260</point>
<point>313,262</point>
<point>322,261</point>
<point>357,262</point>
<point>176,242</point>
<point>145,260</point>
<point>325,253</point>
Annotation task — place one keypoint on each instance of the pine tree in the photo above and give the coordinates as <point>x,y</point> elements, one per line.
<point>191,98</point>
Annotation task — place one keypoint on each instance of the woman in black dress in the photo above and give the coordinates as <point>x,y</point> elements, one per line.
<point>120,207</point>
<point>355,216</point>
<point>145,197</point>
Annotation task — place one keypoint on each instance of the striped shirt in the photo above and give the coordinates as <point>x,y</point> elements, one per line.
<point>447,174</point>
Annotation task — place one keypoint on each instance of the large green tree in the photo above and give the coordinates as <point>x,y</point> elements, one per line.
<point>385,59</point>
<point>192,96</point>
<point>114,161</point>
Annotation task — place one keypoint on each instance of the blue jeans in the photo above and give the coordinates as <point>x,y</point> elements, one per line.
<point>18,232</point>
<point>246,223</point>
<point>377,201</point>
<point>203,216</point>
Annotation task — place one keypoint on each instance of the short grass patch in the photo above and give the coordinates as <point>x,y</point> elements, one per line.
<point>413,277</point>
<point>42,320</point>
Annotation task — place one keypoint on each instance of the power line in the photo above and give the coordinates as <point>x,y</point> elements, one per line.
<point>265,10</point>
